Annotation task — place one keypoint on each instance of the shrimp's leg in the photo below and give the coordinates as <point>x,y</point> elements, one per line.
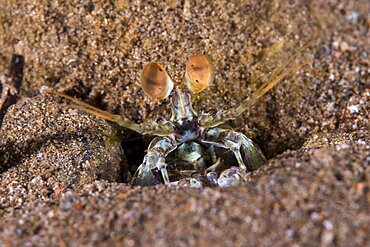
<point>158,149</point>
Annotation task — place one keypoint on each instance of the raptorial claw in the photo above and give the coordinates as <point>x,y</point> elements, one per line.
<point>155,159</point>
<point>143,176</point>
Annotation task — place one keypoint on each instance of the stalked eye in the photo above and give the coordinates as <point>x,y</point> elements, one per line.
<point>155,81</point>
<point>199,73</point>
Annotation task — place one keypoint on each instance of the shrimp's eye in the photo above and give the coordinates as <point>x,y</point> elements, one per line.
<point>199,73</point>
<point>155,81</point>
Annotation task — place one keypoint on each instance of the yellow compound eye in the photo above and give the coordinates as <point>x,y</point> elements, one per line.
<point>155,81</point>
<point>199,73</point>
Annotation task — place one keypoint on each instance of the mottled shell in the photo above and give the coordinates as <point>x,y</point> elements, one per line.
<point>199,73</point>
<point>155,81</point>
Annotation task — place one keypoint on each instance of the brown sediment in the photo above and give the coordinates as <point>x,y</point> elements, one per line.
<point>319,197</point>
<point>318,193</point>
<point>45,149</point>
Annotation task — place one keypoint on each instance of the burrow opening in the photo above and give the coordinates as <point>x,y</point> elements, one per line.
<point>135,145</point>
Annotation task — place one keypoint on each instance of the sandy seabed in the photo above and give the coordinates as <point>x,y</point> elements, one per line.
<point>63,173</point>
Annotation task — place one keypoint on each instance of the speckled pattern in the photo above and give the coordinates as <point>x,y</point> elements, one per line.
<point>314,127</point>
<point>282,207</point>
<point>45,149</point>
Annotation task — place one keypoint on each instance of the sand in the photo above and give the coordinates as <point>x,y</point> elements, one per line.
<point>64,173</point>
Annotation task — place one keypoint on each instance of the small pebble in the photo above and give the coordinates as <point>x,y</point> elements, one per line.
<point>344,46</point>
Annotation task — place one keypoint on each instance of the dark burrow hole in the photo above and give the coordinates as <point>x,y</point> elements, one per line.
<point>135,145</point>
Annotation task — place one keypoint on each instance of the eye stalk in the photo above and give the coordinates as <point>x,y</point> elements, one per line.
<point>155,81</point>
<point>199,73</point>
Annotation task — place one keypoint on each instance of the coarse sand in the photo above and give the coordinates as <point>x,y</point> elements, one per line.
<point>64,173</point>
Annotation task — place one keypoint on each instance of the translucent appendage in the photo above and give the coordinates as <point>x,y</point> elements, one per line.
<point>143,176</point>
